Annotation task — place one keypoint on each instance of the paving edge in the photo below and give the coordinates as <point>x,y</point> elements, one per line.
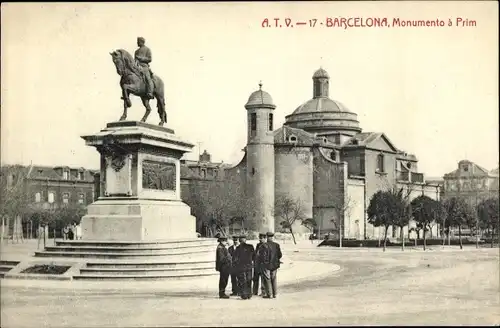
<point>299,271</point>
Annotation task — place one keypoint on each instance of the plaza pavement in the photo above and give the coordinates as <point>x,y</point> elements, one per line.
<point>441,286</point>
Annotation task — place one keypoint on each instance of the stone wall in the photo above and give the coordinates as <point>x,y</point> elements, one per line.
<point>329,183</point>
<point>294,175</point>
<point>356,212</point>
<point>375,181</point>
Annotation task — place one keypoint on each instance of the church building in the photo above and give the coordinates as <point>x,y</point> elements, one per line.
<point>320,157</point>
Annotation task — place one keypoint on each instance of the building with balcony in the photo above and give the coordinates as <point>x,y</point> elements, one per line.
<point>471,182</point>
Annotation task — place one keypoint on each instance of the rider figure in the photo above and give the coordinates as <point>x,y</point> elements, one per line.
<point>143,58</point>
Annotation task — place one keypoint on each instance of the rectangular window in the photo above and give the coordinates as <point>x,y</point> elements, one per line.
<point>270,121</point>
<point>80,175</point>
<point>65,197</point>
<point>253,122</point>
<point>81,198</point>
<point>380,163</point>
<point>38,197</point>
<point>65,175</point>
<point>51,197</point>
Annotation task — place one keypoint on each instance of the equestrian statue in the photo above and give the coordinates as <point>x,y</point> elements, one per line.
<point>137,79</point>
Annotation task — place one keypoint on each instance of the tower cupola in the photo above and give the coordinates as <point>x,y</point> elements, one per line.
<point>321,81</point>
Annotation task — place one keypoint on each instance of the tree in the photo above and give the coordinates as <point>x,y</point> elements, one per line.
<point>402,208</point>
<point>310,224</point>
<point>458,212</point>
<point>14,195</point>
<point>385,209</point>
<point>218,204</point>
<point>487,212</point>
<point>442,218</point>
<point>425,211</point>
<point>289,210</point>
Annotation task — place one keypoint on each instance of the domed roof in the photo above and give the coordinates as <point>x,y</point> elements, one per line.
<point>321,73</point>
<point>321,114</point>
<point>321,105</point>
<point>260,98</point>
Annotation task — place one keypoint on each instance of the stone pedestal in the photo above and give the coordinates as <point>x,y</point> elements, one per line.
<point>140,197</point>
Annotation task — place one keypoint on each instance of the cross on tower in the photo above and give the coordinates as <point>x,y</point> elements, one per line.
<point>260,85</point>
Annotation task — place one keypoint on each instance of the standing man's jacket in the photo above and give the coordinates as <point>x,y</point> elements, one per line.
<point>244,256</point>
<point>274,256</point>
<point>261,252</point>
<point>232,249</point>
<point>222,259</point>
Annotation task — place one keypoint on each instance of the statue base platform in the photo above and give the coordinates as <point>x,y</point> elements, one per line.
<point>133,220</point>
<point>140,196</point>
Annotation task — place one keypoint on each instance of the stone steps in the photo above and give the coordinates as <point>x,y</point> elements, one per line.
<point>164,256</point>
<point>159,249</point>
<point>207,270</point>
<point>6,266</point>
<point>132,260</point>
<point>139,244</point>
<point>113,264</point>
<point>180,275</point>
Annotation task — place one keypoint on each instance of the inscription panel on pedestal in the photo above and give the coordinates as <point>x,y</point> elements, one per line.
<point>158,175</point>
<point>118,175</point>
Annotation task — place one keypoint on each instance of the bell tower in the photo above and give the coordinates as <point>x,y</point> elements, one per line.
<point>260,159</point>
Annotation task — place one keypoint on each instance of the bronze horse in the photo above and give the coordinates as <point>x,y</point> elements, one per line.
<point>132,82</point>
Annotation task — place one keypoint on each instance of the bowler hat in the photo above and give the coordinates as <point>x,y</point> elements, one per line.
<point>262,235</point>
<point>243,237</point>
<point>270,234</point>
<point>222,238</point>
<point>235,237</point>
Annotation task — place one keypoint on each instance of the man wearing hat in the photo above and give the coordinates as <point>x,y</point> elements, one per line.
<point>143,58</point>
<point>260,255</point>
<point>223,265</point>
<point>244,255</point>
<point>272,264</point>
<point>234,276</point>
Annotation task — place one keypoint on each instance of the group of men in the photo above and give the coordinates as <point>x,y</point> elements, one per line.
<point>248,266</point>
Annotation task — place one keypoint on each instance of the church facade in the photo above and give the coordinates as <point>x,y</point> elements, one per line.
<point>320,157</point>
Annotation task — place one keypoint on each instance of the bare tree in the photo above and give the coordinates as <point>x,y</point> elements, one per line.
<point>343,205</point>
<point>289,210</point>
<point>218,203</point>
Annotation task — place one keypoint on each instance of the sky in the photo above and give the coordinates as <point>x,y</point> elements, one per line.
<point>432,90</point>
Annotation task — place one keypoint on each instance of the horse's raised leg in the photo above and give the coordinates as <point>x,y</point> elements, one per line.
<point>145,102</point>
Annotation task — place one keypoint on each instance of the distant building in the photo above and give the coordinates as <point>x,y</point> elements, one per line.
<point>471,182</point>
<point>50,187</point>
<point>320,156</point>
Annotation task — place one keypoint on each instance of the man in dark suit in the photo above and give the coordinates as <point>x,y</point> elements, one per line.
<point>272,264</point>
<point>260,255</point>
<point>234,276</point>
<point>244,255</point>
<point>223,266</point>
